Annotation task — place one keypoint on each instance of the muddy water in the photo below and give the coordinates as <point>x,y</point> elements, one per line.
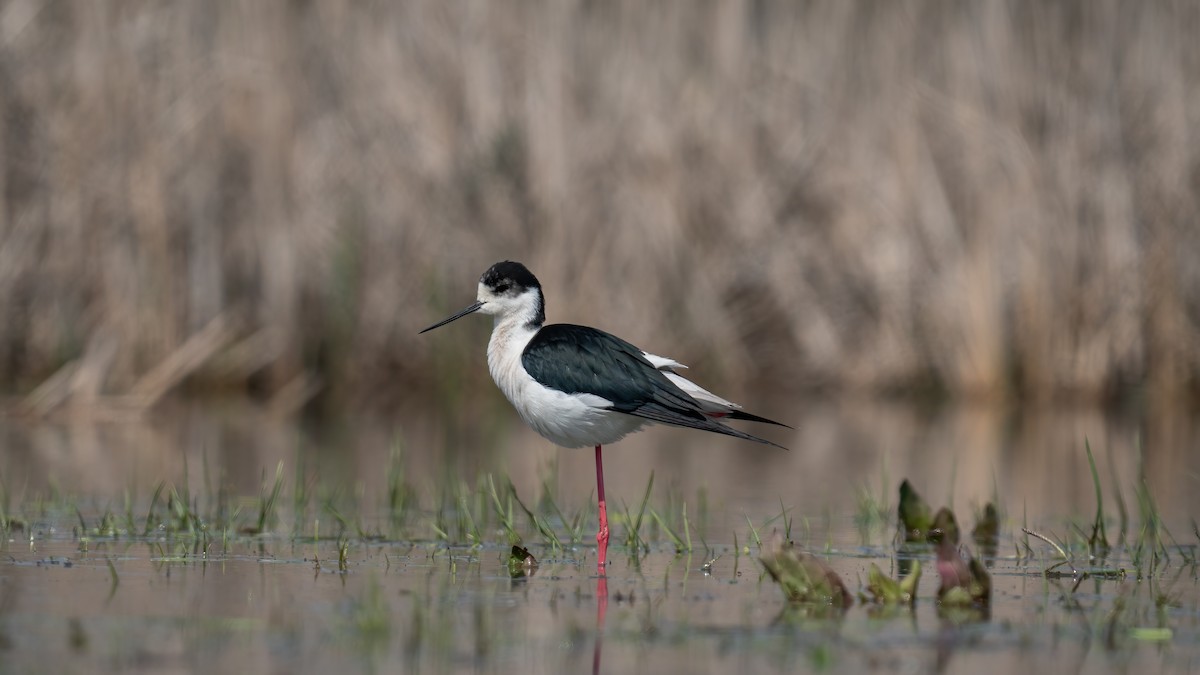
<point>72,602</point>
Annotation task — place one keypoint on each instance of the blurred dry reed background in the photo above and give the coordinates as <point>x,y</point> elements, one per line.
<point>983,199</point>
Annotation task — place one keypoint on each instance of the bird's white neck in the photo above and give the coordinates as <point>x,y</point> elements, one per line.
<point>510,334</point>
<point>507,330</point>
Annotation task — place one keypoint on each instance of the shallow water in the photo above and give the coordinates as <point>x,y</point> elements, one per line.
<point>410,599</point>
<point>269,607</point>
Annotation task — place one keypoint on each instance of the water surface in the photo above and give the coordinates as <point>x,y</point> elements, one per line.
<point>76,597</point>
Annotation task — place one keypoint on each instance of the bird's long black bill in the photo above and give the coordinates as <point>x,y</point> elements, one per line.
<point>473,308</point>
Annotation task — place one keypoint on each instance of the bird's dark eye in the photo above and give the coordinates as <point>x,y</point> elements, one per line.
<point>502,288</point>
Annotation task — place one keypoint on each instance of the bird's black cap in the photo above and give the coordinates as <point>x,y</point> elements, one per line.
<point>510,273</point>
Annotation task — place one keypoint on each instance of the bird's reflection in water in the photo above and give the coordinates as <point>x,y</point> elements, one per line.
<point>601,611</point>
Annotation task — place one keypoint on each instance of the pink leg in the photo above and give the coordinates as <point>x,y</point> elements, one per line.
<point>602,582</point>
<point>602,535</point>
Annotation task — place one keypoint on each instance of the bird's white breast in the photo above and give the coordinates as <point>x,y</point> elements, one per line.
<point>570,420</point>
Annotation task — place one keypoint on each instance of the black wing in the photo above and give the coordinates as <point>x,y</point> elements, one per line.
<point>582,360</point>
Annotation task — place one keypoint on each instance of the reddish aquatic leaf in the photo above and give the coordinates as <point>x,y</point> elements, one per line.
<point>964,582</point>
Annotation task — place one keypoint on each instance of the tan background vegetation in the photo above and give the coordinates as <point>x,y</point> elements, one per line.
<point>977,198</point>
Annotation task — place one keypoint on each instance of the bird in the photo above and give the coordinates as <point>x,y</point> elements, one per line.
<point>579,386</point>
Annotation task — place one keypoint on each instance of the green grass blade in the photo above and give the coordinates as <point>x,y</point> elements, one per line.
<point>1099,539</point>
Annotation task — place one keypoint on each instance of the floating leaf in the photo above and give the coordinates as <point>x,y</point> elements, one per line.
<point>964,582</point>
<point>803,577</point>
<point>945,523</point>
<point>916,517</point>
<point>987,529</point>
<point>952,569</point>
<point>521,562</point>
<point>888,591</point>
<point>981,581</point>
<point>955,596</point>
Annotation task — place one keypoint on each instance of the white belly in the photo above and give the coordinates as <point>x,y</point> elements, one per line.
<point>569,420</point>
<point>572,420</point>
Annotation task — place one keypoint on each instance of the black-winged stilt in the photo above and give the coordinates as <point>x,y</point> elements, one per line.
<point>579,386</point>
